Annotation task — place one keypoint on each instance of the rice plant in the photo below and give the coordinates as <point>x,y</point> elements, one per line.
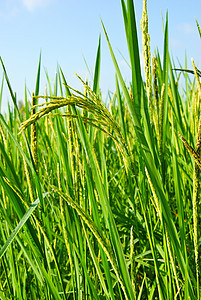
<point>102,201</point>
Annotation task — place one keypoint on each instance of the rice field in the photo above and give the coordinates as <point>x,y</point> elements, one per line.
<point>102,201</point>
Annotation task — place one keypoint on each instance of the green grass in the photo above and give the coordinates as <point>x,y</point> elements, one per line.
<point>103,202</point>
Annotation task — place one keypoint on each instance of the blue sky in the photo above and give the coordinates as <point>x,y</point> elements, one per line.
<point>67,31</point>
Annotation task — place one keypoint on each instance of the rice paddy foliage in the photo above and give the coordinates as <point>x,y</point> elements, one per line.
<point>102,202</point>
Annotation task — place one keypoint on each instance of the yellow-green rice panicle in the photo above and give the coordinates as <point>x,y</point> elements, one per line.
<point>46,120</point>
<point>70,138</point>
<point>81,167</point>
<point>77,166</point>
<point>194,120</point>
<point>191,151</point>
<point>17,191</point>
<point>131,95</point>
<point>156,95</point>
<point>156,200</point>
<point>177,80</point>
<point>34,136</point>
<point>171,100</point>
<point>84,111</point>
<point>147,56</point>
<point>161,120</point>
<point>197,78</point>
<point>170,94</point>
<point>196,187</point>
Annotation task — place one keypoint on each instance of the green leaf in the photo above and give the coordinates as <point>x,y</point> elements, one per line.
<point>198,26</point>
<point>97,69</point>
<point>38,78</point>
<point>20,225</point>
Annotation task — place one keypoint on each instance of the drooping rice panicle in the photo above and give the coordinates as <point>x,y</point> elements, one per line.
<point>92,104</point>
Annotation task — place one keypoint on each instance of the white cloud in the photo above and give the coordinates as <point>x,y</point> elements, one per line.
<point>31,5</point>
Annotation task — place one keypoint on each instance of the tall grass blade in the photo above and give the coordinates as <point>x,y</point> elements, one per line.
<point>132,41</point>
<point>97,69</point>
<point>1,91</point>
<point>198,26</point>
<point>19,226</point>
<point>38,78</point>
